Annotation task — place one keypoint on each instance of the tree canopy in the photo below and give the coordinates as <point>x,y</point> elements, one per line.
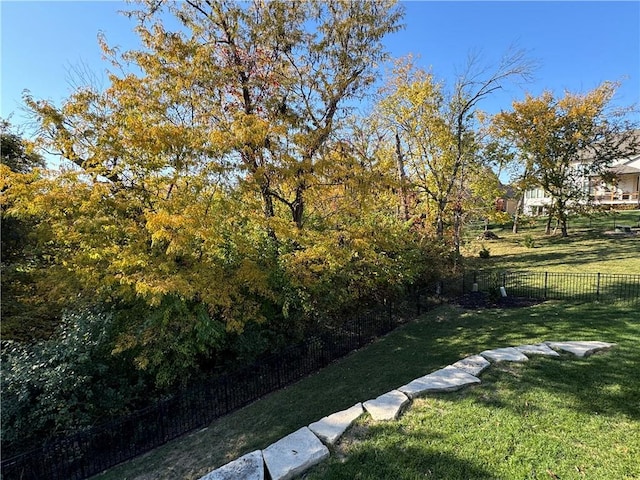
<point>214,179</point>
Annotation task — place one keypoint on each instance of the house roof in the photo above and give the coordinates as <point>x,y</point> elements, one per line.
<point>627,143</point>
<point>624,169</point>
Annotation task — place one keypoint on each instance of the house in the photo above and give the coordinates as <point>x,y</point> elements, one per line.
<point>507,201</point>
<point>624,190</point>
<point>536,200</point>
<point>620,190</point>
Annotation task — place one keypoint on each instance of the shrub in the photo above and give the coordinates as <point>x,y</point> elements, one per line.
<point>484,252</point>
<point>529,241</point>
<point>64,384</point>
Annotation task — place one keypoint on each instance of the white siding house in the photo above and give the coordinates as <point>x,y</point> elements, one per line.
<point>622,192</point>
<point>625,190</point>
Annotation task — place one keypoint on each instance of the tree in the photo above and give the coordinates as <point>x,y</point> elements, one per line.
<point>438,135</point>
<point>519,168</point>
<point>199,176</point>
<point>24,316</point>
<point>16,153</point>
<point>564,140</point>
<point>17,156</point>
<point>274,82</point>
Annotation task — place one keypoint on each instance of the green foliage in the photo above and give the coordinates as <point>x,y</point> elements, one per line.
<point>167,340</point>
<point>66,383</point>
<point>528,241</point>
<point>15,152</point>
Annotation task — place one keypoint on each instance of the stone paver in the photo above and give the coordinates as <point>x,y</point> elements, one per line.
<point>446,379</point>
<point>508,354</point>
<point>581,348</point>
<point>294,454</point>
<point>330,428</point>
<point>538,349</point>
<point>473,365</point>
<point>247,467</point>
<point>387,406</point>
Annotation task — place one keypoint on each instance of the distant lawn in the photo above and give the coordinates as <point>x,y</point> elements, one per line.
<point>575,418</point>
<point>588,249</point>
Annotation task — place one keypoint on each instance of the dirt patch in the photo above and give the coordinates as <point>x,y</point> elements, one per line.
<point>476,300</point>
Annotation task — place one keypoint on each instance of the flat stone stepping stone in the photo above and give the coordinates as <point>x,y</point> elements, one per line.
<point>581,348</point>
<point>508,354</point>
<point>330,428</point>
<point>447,379</point>
<point>247,467</point>
<point>538,349</point>
<point>387,406</point>
<point>294,454</point>
<point>473,365</point>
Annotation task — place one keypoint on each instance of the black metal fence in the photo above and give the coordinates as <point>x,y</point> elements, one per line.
<point>92,451</point>
<point>581,287</point>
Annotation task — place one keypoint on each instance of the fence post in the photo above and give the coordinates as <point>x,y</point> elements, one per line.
<point>163,413</point>
<point>546,279</point>
<point>598,287</point>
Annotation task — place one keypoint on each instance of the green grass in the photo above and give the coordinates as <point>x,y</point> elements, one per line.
<point>551,418</point>
<point>587,249</point>
<point>555,414</point>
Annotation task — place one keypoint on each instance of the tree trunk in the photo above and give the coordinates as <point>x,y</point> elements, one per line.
<point>297,207</point>
<point>457,229</point>
<point>561,215</point>
<point>563,225</point>
<point>547,230</point>
<point>403,179</point>
<point>516,216</point>
<point>440,225</point>
<point>267,201</point>
<point>267,206</point>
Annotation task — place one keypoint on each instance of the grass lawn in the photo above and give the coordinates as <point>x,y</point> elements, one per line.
<point>587,249</point>
<point>548,418</point>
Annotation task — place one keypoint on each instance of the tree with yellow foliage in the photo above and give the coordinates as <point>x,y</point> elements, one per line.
<point>565,140</point>
<point>439,134</point>
<point>213,175</point>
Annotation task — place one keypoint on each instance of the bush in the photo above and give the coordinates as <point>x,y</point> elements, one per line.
<point>64,384</point>
<point>529,241</point>
<point>484,252</point>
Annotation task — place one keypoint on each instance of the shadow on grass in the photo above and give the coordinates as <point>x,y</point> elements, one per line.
<point>402,462</point>
<point>604,382</point>
<point>586,250</point>
<point>618,248</point>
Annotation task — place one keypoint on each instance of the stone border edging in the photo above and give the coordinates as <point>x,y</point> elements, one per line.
<point>297,452</point>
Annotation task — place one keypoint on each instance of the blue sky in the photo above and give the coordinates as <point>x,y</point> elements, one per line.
<point>577,44</point>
